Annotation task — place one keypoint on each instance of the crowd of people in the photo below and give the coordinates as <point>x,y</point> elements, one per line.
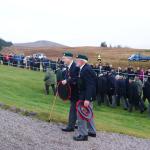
<point>127,87</point>
<point>32,62</point>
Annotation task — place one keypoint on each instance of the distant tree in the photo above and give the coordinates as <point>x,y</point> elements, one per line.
<point>119,46</point>
<point>4,43</point>
<point>103,44</point>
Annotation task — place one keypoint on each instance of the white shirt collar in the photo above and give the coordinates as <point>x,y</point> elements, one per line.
<point>69,66</point>
<point>82,67</point>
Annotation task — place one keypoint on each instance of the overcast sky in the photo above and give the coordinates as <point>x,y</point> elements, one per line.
<point>77,22</point>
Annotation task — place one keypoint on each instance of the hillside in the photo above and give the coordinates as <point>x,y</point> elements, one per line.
<point>38,44</point>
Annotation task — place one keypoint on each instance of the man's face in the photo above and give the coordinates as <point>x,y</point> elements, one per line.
<point>66,60</point>
<point>79,62</point>
<point>130,81</point>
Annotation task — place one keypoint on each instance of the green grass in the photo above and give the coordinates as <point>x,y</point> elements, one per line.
<point>25,89</point>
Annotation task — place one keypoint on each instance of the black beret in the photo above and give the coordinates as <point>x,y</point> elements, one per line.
<point>68,54</point>
<point>82,57</point>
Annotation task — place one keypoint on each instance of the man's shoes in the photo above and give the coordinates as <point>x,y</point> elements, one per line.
<point>80,138</point>
<point>67,129</point>
<point>92,134</point>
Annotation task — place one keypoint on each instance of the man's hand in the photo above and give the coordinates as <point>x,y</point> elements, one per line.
<point>86,103</point>
<point>64,82</point>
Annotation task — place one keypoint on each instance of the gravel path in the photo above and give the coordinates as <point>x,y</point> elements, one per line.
<point>23,133</point>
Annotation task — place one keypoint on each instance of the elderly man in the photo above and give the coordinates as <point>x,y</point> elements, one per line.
<point>71,76</point>
<point>87,91</point>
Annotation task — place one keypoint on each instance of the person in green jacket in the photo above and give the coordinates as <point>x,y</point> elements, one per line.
<point>50,80</point>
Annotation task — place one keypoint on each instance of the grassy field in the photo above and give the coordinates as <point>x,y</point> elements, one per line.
<point>25,89</point>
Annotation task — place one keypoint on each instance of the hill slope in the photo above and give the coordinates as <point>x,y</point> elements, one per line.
<point>37,44</point>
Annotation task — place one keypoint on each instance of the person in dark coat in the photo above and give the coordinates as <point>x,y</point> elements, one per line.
<point>110,87</point>
<point>101,89</point>
<point>87,91</point>
<point>134,95</point>
<point>71,76</point>
<point>146,90</point>
<point>121,91</point>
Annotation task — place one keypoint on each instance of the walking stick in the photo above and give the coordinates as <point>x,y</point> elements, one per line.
<point>54,100</point>
<point>52,108</point>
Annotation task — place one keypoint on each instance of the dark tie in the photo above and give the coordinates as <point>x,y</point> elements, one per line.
<point>79,72</point>
<point>67,72</point>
